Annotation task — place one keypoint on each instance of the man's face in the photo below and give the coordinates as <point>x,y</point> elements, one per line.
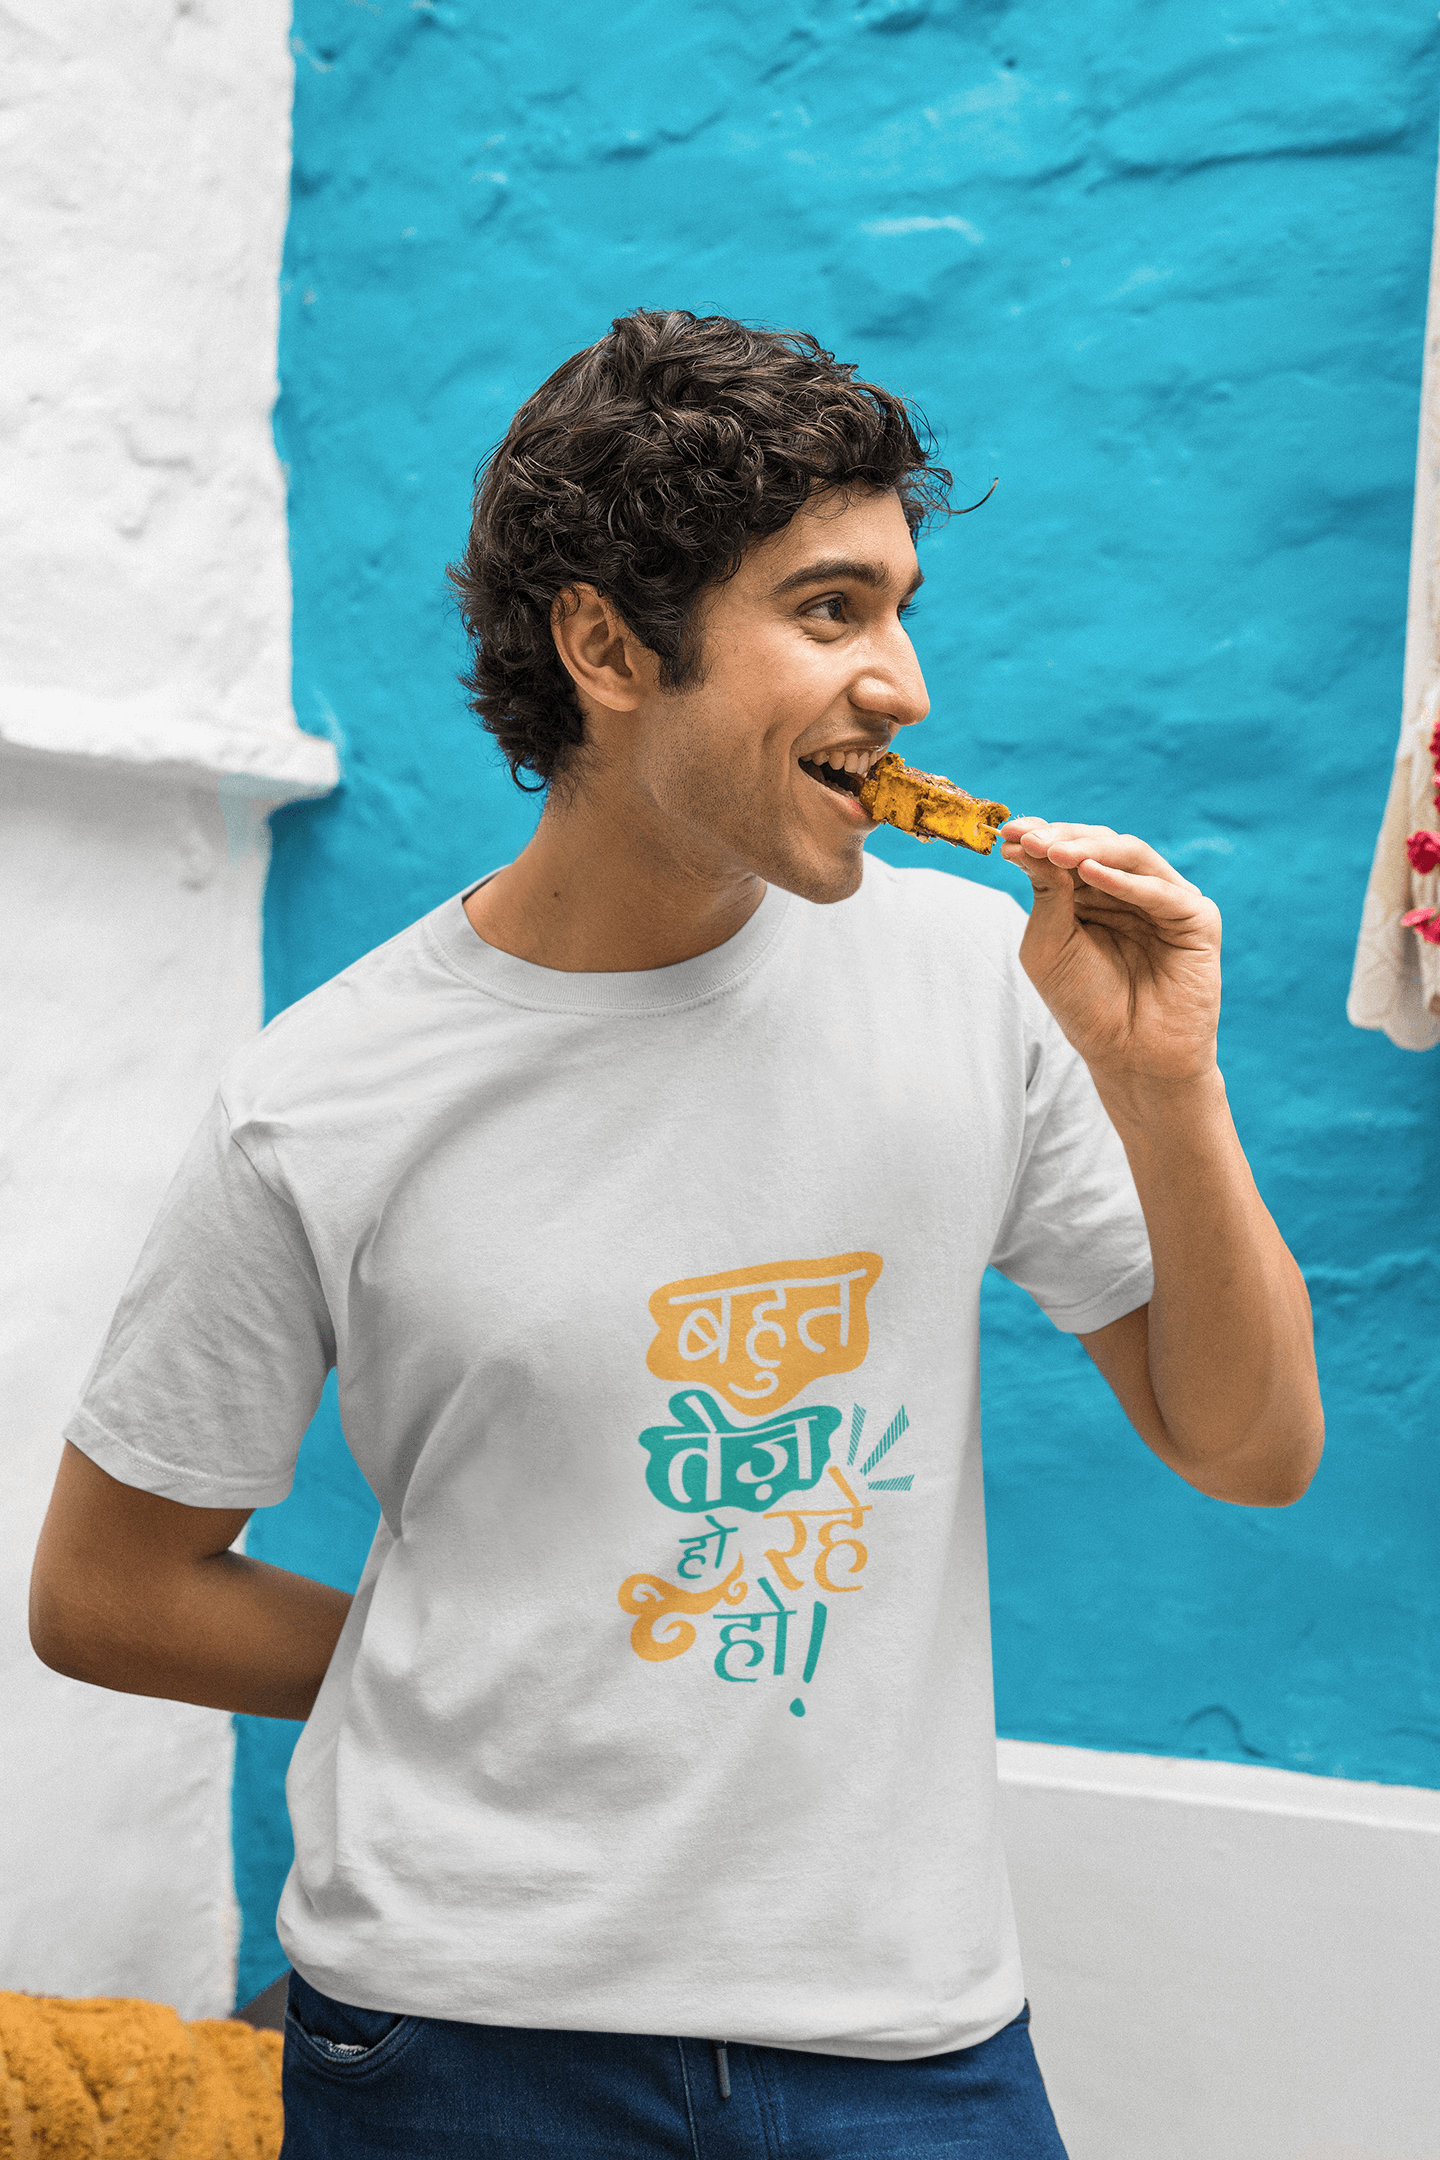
<point>806,667</point>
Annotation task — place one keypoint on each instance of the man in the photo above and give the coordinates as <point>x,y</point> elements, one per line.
<point>641,1196</point>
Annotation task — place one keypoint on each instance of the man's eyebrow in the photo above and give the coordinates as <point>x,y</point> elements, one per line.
<point>842,568</point>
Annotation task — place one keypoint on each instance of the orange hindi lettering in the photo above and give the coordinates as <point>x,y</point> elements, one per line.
<point>762,1334</point>
<point>657,1601</point>
<point>832,1521</point>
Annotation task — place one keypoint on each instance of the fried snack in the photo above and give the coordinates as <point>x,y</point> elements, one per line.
<point>894,793</point>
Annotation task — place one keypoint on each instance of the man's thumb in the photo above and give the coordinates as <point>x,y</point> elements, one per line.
<point>1052,913</point>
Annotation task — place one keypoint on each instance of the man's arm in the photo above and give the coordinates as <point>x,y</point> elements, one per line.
<point>1217,1374</point>
<point>144,1595</point>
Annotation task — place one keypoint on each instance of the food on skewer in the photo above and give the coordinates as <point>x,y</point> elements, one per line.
<point>928,806</point>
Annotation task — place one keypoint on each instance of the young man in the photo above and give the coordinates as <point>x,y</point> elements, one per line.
<point>641,1196</point>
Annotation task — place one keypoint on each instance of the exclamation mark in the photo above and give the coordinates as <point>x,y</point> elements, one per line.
<point>812,1655</point>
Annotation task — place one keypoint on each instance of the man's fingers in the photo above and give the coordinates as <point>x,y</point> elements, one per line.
<point>1044,876</point>
<point>1029,840</point>
<point>1093,874</point>
<point>1026,842</point>
<point>1168,899</point>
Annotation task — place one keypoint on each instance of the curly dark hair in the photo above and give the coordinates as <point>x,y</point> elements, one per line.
<point>645,466</point>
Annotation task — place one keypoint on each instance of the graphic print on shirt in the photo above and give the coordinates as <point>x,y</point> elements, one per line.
<point>732,1328</point>
<point>759,1336</point>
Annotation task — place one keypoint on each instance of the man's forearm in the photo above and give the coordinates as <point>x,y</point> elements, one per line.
<point>1231,1354</point>
<point>234,1634</point>
<point>231,1633</point>
<point>143,1595</point>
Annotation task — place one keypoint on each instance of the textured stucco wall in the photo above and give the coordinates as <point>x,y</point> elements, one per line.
<point>145,724</point>
<point>146,174</point>
<point>129,970</point>
<point>1163,270</point>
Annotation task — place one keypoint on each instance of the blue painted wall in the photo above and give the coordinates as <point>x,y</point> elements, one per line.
<point>1161,266</point>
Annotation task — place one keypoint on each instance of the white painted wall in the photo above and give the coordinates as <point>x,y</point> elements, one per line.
<point>1224,1962</point>
<point>145,727</point>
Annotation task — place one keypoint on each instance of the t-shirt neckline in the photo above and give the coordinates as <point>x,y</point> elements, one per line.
<point>651,990</point>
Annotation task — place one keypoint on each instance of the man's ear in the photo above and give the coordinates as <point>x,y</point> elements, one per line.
<point>602,655</point>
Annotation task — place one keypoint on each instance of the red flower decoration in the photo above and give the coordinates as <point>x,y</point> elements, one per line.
<point>1425,922</point>
<point>1423,849</point>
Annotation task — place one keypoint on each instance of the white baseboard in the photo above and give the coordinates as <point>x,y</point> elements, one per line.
<point>1227,1962</point>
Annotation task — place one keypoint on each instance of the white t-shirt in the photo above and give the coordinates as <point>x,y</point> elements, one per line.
<point>664,1704</point>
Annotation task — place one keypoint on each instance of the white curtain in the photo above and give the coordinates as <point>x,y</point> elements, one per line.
<point>1396,980</point>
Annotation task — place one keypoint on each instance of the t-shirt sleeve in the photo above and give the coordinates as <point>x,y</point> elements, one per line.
<point>1073,1234</point>
<point>216,1357</point>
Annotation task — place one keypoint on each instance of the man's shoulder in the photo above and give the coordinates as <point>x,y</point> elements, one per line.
<point>377,1016</point>
<point>918,913</point>
<point>940,893</point>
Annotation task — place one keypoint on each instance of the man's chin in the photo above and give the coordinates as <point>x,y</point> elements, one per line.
<point>820,882</point>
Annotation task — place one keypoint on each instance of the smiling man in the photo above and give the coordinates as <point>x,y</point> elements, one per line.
<point>641,1197</point>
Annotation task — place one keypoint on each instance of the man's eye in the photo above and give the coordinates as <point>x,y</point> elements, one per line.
<point>832,607</point>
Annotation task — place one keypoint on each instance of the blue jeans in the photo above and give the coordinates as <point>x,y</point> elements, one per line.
<point>361,2083</point>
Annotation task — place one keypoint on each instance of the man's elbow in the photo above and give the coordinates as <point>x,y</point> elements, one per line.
<point>64,1633</point>
<point>1270,1471</point>
<point>50,1638</point>
<point>1278,1487</point>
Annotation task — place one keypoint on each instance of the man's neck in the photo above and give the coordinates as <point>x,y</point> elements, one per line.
<point>598,891</point>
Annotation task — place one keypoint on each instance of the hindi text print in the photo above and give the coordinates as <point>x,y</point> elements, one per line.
<point>832,1521</point>
<point>657,1602</point>
<point>762,1334</point>
<point>703,1461</point>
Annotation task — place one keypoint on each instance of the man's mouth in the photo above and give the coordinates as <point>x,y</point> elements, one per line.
<point>842,770</point>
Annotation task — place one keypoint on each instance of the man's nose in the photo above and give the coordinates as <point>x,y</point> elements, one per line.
<point>895,689</point>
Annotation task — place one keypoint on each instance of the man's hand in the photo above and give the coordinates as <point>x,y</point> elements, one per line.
<point>1124,951</point>
<point>1217,1373</point>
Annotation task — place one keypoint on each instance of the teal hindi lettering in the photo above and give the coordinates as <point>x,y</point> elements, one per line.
<point>704,1461</point>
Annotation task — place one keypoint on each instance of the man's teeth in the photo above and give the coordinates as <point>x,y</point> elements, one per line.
<point>851,761</point>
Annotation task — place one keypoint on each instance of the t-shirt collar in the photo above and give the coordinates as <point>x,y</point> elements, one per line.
<point>650,990</point>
